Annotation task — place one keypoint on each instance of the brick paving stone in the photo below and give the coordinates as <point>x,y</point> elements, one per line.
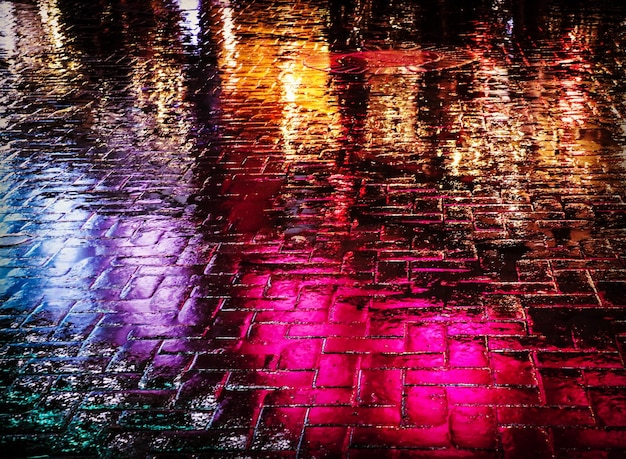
<point>546,416</point>
<point>380,387</point>
<point>426,406</point>
<point>473,428</point>
<point>518,442</point>
<point>314,229</point>
<point>385,437</point>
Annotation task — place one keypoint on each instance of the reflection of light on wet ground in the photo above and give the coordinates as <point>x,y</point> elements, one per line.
<point>229,37</point>
<point>291,111</point>
<point>190,12</point>
<point>393,115</point>
<point>148,136</point>
<point>290,82</point>
<point>306,103</point>
<point>573,103</point>
<point>49,12</point>
<point>389,258</point>
<point>7,51</point>
<point>391,61</point>
<point>7,37</point>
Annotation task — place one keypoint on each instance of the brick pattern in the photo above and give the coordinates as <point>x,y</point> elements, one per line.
<point>209,249</point>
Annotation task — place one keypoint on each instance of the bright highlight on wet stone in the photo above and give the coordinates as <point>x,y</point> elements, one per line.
<point>312,229</point>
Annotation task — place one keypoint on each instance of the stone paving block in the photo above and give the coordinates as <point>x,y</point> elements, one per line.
<point>546,416</point>
<point>468,351</point>
<point>134,356</point>
<point>402,360</point>
<point>564,387</point>
<point>300,356</point>
<point>324,441</point>
<point>608,406</point>
<point>164,420</point>
<point>362,345</point>
<point>425,406</point>
<point>380,387</point>
<point>49,313</point>
<point>76,327</point>
<point>444,376</point>
<point>557,300</point>
<point>493,396</point>
<point>232,361</point>
<point>387,327</point>
<point>513,368</point>
<point>488,329</point>
<point>67,365</point>
<point>304,396</point>
<point>588,438</point>
<point>354,416</point>
<point>609,378</point>
<point>236,412</point>
<point>205,443</point>
<point>88,382</point>
<point>473,429</point>
<point>327,330</point>
<point>579,360</point>
<point>127,399</point>
<point>412,437</point>
<point>426,338</point>
<point>519,442</point>
<point>262,379</point>
<point>164,371</point>
<point>336,370</point>
<point>279,429</point>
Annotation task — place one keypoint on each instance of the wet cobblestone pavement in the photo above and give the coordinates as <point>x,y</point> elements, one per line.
<point>313,229</point>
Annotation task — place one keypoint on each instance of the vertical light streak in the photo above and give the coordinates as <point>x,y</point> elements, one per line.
<point>190,12</point>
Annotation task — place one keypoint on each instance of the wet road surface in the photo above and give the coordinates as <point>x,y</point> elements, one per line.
<point>313,229</point>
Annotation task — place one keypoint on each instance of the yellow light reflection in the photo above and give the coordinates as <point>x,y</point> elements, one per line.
<point>573,102</point>
<point>393,102</point>
<point>281,93</point>
<point>229,38</point>
<point>304,98</point>
<point>491,127</point>
<point>61,59</point>
<point>50,14</point>
<point>158,81</point>
<point>43,49</point>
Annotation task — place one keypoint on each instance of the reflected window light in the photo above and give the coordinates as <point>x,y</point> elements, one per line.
<point>169,87</point>
<point>165,101</point>
<point>290,85</point>
<point>190,11</point>
<point>188,5</point>
<point>304,97</point>
<point>509,26</point>
<point>229,36</point>
<point>50,13</point>
<point>573,103</point>
<point>290,122</point>
<point>497,5</point>
<point>457,156</point>
<point>397,108</point>
<point>7,37</point>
